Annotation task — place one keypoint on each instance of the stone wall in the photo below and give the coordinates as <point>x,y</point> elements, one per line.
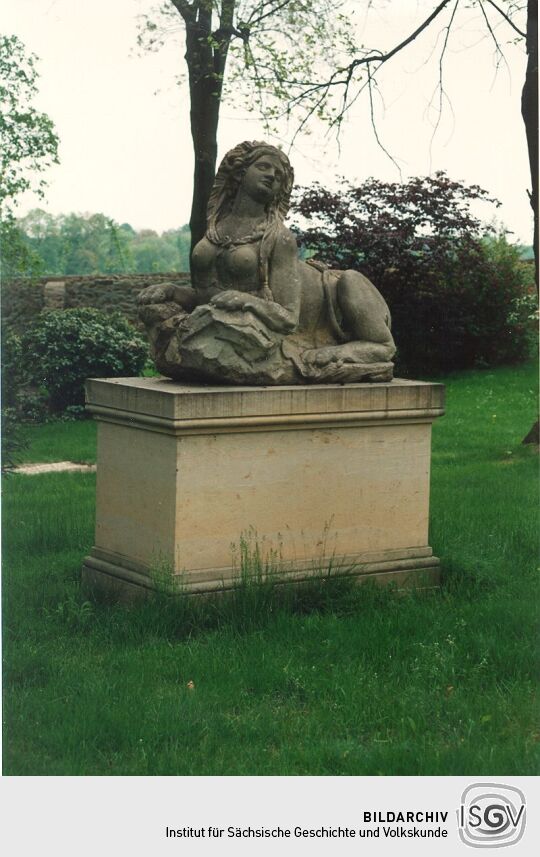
<point>22,300</point>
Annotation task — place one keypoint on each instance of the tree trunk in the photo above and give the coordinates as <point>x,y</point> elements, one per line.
<point>529,111</point>
<point>205,89</point>
<point>206,58</point>
<point>204,125</point>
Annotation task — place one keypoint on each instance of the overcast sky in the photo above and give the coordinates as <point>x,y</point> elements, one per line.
<point>123,124</point>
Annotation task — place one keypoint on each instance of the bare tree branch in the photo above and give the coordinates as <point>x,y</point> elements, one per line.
<point>506,18</point>
<point>378,57</point>
<point>254,21</point>
<point>250,60</point>
<point>440,86</point>
<point>306,118</point>
<point>382,58</point>
<point>498,50</point>
<point>374,125</point>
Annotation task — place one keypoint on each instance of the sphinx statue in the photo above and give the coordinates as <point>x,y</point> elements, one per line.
<point>255,313</point>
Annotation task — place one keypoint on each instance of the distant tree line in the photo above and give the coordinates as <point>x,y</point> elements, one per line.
<point>95,244</point>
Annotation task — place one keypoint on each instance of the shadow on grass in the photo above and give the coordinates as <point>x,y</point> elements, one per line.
<point>468,581</point>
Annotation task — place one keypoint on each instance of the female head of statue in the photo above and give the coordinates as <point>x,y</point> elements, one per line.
<point>261,171</point>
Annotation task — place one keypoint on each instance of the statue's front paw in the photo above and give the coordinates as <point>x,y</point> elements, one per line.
<point>159,294</point>
<point>230,300</point>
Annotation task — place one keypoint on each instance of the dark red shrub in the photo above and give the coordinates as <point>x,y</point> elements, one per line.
<point>458,295</point>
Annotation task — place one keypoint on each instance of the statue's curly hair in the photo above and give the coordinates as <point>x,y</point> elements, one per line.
<point>227,182</point>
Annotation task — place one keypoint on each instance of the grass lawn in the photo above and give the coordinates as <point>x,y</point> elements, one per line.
<point>60,441</point>
<point>328,679</point>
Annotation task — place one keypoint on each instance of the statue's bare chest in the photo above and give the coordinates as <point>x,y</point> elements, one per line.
<point>236,264</point>
<point>240,261</point>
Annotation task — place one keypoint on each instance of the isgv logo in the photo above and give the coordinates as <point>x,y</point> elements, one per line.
<point>491,815</point>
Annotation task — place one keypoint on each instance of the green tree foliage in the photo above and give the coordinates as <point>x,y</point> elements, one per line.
<point>158,253</point>
<point>28,146</point>
<point>65,347</point>
<point>459,296</point>
<point>80,244</point>
<point>92,243</point>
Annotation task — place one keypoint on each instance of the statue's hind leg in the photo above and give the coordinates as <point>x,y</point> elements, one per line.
<point>365,313</point>
<point>360,322</point>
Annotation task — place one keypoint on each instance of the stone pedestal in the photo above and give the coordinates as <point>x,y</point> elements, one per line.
<point>315,476</point>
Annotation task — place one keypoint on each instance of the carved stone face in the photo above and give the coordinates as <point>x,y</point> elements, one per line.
<point>263,179</point>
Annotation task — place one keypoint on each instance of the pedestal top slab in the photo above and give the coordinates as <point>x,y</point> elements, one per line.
<point>172,401</point>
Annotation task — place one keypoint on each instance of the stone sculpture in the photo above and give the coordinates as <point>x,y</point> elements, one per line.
<point>257,314</point>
